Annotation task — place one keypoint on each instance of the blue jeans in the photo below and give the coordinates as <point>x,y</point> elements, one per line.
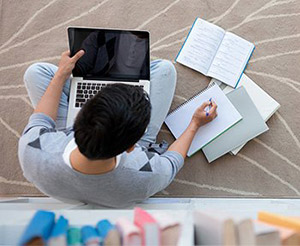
<point>162,87</point>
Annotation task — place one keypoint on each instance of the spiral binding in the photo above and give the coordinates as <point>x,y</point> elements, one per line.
<point>193,97</point>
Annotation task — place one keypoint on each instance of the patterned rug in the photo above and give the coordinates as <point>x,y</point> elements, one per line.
<point>268,166</point>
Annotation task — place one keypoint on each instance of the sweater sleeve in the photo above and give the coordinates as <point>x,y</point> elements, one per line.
<point>165,168</point>
<point>39,120</point>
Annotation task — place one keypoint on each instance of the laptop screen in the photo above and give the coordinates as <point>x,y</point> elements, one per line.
<point>110,54</point>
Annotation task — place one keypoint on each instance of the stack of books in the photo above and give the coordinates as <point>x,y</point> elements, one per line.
<point>217,228</point>
<point>208,227</point>
<point>146,229</point>
<point>243,107</point>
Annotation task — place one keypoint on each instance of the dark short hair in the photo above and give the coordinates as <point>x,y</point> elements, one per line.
<point>112,121</point>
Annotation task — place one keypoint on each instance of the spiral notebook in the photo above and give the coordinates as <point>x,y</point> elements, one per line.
<point>178,120</point>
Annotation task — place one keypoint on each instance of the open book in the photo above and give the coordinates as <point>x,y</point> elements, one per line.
<point>214,52</point>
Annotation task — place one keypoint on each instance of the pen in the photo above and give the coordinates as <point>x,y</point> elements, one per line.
<point>207,109</point>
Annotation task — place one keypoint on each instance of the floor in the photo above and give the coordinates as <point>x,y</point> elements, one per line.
<point>268,166</point>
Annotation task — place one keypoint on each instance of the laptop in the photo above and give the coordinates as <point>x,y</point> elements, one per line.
<point>111,56</point>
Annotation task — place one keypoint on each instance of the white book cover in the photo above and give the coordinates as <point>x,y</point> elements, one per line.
<point>164,220</point>
<point>265,104</point>
<point>211,50</point>
<point>178,120</point>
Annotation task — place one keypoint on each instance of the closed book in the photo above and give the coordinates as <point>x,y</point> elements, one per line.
<point>266,235</point>
<point>109,233</point>
<point>265,104</point>
<point>214,228</point>
<point>244,230</point>
<point>74,236</point>
<point>248,128</point>
<point>130,233</point>
<point>90,236</point>
<point>58,235</point>
<point>39,229</point>
<point>288,237</point>
<point>149,228</point>
<point>280,220</point>
<point>170,228</point>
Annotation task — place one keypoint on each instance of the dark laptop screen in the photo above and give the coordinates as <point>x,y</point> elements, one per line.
<point>110,54</point>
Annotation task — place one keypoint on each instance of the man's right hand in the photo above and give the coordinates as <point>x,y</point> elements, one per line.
<point>201,117</point>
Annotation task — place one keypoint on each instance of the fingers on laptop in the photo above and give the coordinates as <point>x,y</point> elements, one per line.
<point>66,53</point>
<point>74,58</point>
<point>77,56</point>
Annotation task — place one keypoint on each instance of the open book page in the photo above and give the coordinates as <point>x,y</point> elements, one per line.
<point>201,46</point>
<point>231,59</point>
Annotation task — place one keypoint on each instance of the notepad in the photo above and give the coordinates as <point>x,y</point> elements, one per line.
<point>265,104</point>
<point>250,127</point>
<point>180,118</point>
<point>211,50</point>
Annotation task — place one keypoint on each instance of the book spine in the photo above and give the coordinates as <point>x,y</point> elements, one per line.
<point>186,39</point>
<point>244,68</point>
<point>279,220</point>
<point>74,236</point>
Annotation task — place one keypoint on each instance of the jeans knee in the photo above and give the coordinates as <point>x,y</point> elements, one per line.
<point>168,71</point>
<point>31,72</point>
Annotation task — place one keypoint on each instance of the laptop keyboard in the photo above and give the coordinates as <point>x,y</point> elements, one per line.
<point>86,90</point>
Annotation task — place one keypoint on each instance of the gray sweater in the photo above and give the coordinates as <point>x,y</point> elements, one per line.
<point>139,175</point>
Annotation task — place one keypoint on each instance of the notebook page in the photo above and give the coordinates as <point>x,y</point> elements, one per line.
<point>179,120</point>
<point>201,46</point>
<point>231,59</point>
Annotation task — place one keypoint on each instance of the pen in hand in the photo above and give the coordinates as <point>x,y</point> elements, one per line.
<point>207,109</point>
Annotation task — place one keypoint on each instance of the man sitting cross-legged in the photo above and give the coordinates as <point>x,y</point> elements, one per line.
<point>106,158</point>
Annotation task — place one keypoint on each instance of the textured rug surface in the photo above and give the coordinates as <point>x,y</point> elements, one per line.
<point>268,166</point>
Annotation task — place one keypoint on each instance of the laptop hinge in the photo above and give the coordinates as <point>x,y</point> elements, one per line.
<point>112,79</point>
